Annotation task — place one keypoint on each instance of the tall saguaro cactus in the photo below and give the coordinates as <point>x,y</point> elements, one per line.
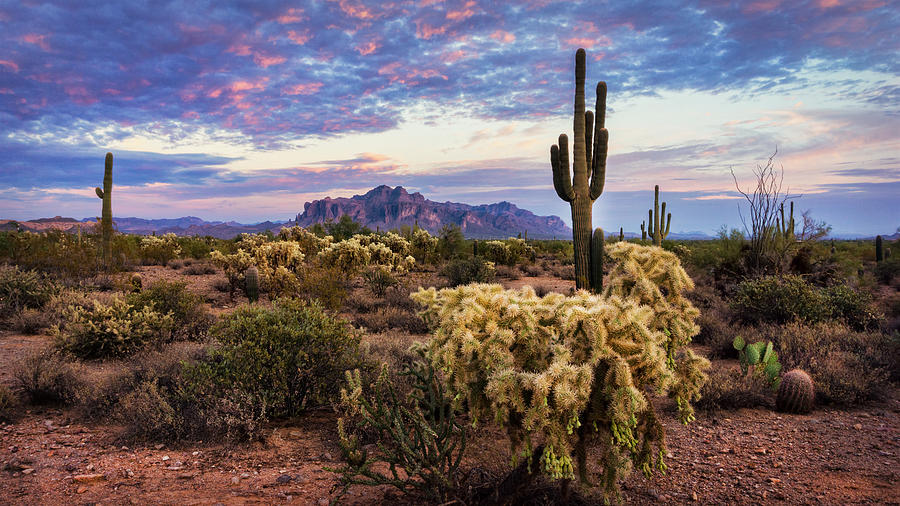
<point>785,228</point>
<point>582,189</point>
<point>106,228</point>
<point>643,231</point>
<point>654,224</point>
<point>879,249</point>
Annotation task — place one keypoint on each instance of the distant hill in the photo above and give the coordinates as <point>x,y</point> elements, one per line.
<point>387,208</point>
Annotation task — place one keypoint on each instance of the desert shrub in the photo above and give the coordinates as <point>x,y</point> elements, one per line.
<point>389,317</point>
<point>54,251</point>
<point>175,264</point>
<point>420,440</point>
<point>31,321</point>
<point>46,377</point>
<point>781,299</point>
<point>848,367</point>
<point>289,356</point>
<point>196,247</point>
<point>567,369</point>
<point>190,318</point>
<point>532,270</point>
<point>111,330</point>
<point>888,270</point>
<point>159,249</point>
<point>451,241</point>
<point>9,404</point>
<point>345,228</point>
<point>20,289</point>
<point>324,284</point>
<point>778,299</point>
<point>199,269</point>
<point>728,388</point>
<point>507,272</point>
<point>463,271</point>
<point>855,308</point>
<point>146,411</point>
<point>379,279</point>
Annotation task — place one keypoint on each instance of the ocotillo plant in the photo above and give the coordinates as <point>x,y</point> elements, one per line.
<point>654,222</point>
<point>643,231</point>
<point>582,189</point>
<point>785,228</point>
<point>879,249</point>
<point>106,228</point>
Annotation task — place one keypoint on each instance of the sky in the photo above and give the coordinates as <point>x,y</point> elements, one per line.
<point>246,110</point>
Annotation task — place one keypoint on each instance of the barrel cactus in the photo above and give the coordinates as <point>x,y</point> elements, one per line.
<point>251,283</point>
<point>796,393</point>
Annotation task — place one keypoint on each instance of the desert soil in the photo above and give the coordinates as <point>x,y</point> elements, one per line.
<point>748,456</point>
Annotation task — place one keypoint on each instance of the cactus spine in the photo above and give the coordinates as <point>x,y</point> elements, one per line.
<point>796,393</point>
<point>785,228</point>
<point>105,194</point>
<point>582,189</point>
<point>879,249</point>
<point>251,283</point>
<point>655,227</point>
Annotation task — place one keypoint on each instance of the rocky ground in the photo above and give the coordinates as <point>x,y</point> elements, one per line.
<point>751,456</point>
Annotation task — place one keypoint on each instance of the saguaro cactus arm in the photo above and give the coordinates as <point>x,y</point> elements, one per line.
<point>559,160</point>
<point>601,143</point>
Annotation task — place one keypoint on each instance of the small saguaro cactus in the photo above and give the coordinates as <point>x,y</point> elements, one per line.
<point>105,194</point>
<point>879,249</point>
<point>251,283</point>
<point>643,231</point>
<point>785,228</point>
<point>580,190</point>
<point>654,223</point>
<point>597,259</point>
<point>621,234</point>
<point>796,393</point>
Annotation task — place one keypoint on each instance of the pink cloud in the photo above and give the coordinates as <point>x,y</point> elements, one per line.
<point>37,39</point>
<point>355,9</point>
<point>367,48</point>
<point>10,64</point>
<point>299,37</point>
<point>292,15</point>
<point>761,6</point>
<point>80,95</point>
<point>240,49</point>
<point>465,12</point>
<point>426,31</point>
<point>268,61</point>
<point>503,36</point>
<point>304,89</point>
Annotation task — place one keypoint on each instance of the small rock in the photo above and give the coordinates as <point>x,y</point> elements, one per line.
<point>857,426</point>
<point>326,456</point>
<point>245,475</point>
<point>165,458</point>
<point>235,480</point>
<point>694,496</point>
<point>159,446</point>
<point>88,478</point>
<point>773,480</point>
<point>323,501</point>
<point>81,490</point>
<point>186,476</point>
<point>195,454</point>
<point>777,465</point>
<point>760,451</point>
<point>90,467</point>
<point>299,478</point>
<point>284,478</point>
<point>27,471</point>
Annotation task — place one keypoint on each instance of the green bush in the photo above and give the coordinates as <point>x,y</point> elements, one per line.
<point>20,289</point>
<point>782,299</point>
<point>729,388</point>
<point>379,279</point>
<point>289,356</point>
<point>463,271</point>
<point>190,318</point>
<point>111,330</point>
<point>888,269</point>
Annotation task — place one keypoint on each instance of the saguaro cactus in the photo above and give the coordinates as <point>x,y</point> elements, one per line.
<point>106,228</point>
<point>643,231</point>
<point>582,189</point>
<point>621,234</point>
<point>785,228</point>
<point>879,249</point>
<point>654,223</point>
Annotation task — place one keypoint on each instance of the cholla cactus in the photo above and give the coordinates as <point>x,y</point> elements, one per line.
<point>360,251</point>
<point>423,245</point>
<point>569,368</point>
<point>309,243</point>
<point>249,242</point>
<point>234,265</point>
<point>160,248</point>
<point>278,263</point>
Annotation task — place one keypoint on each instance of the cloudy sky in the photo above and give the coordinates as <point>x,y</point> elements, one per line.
<point>246,110</point>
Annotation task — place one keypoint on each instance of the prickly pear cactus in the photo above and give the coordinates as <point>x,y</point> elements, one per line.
<point>796,393</point>
<point>761,357</point>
